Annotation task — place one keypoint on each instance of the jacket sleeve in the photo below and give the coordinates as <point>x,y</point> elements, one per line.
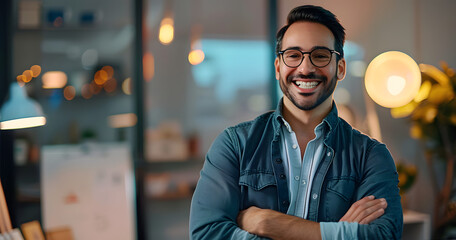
<point>380,179</point>
<point>216,200</point>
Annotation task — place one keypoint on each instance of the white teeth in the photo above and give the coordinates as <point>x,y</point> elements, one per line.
<point>306,85</point>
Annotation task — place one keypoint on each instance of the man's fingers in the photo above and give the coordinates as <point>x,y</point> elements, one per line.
<point>373,216</point>
<point>370,208</point>
<point>350,216</point>
<point>366,210</point>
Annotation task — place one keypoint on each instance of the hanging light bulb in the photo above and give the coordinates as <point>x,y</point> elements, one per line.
<point>54,79</point>
<point>196,54</point>
<point>166,33</point>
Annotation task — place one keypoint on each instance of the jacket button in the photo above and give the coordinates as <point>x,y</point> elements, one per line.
<point>278,160</point>
<point>282,176</point>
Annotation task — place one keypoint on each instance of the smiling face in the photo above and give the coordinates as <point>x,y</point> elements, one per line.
<point>307,86</point>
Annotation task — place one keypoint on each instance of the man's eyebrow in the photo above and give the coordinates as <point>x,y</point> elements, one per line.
<point>300,49</point>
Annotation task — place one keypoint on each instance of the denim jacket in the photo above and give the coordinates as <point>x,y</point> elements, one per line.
<point>244,168</point>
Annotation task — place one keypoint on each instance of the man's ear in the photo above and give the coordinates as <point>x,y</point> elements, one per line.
<point>277,68</point>
<point>341,69</point>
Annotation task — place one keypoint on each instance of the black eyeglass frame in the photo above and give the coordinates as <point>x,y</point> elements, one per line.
<point>310,54</point>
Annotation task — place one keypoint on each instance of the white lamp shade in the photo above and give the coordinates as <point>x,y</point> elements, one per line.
<point>20,111</point>
<point>392,79</point>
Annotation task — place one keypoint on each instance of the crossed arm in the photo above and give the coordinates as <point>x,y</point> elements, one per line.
<point>217,199</point>
<point>275,225</point>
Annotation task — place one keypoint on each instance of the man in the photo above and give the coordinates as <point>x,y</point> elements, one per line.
<point>299,172</point>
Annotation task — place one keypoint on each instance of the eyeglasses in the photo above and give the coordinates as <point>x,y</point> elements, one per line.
<point>319,57</point>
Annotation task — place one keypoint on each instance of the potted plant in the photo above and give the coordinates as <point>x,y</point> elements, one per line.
<point>433,122</point>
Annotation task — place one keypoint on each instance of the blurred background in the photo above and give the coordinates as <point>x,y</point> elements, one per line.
<point>134,92</point>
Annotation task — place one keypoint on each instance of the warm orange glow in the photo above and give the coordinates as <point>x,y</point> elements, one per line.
<point>69,92</point>
<point>94,88</point>
<point>166,33</point>
<point>23,123</point>
<point>27,76</point>
<point>126,86</point>
<point>54,79</point>
<point>109,70</point>
<point>101,77</point>
<point>148,66</point>
<point>123,120</point>
<point>196,56</point>
<point>85,91</point>
<point>110,85</point>
<point>20,80</point>
<point>36,70</point>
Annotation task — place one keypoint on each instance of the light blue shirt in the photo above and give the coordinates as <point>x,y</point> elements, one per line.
<point>300,174</point>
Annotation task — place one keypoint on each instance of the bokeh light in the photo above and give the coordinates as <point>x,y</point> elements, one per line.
<point>20,80</point>
<point>123,120</point>
<point>196,56</point>
<point>36,70</point>
<point>94,88</point>
<point>54,79</point>
<point>89,58</point>
<point>110,85</point>
<point>85,91</point>
<point>148,66</point>
<point>166,32</point>
<point>27,76</point>
<point>69,92</point>
<point>109,70</point>
<point>126,86</point>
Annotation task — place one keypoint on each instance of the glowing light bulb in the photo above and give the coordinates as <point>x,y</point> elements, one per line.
<point>395,85</point>
<point>54,79</point>
<point>196,56</point>
<point>166,33</point>
<point>392,79</point>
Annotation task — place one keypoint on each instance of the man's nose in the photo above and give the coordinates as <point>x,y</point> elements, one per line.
<point>306,65</point>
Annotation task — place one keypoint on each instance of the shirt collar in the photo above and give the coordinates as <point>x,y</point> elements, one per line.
<point>331,120</point>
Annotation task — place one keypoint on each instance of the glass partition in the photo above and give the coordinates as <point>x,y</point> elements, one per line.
<point>207,66</point>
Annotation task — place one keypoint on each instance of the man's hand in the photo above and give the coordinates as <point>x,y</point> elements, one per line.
<point>251,219</point>
<point>365,210</point>
<point>276,225</point>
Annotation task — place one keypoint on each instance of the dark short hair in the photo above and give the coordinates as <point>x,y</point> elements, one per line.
<point>310,13</point>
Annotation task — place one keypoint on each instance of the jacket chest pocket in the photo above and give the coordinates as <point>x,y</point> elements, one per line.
<point>258,189</point>
<point>338,199</point>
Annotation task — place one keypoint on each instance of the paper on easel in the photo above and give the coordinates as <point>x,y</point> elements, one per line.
<point>16,234</point>
<point>90,189</point>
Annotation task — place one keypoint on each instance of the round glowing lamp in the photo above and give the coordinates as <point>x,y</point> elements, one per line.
<point>392,79</point>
